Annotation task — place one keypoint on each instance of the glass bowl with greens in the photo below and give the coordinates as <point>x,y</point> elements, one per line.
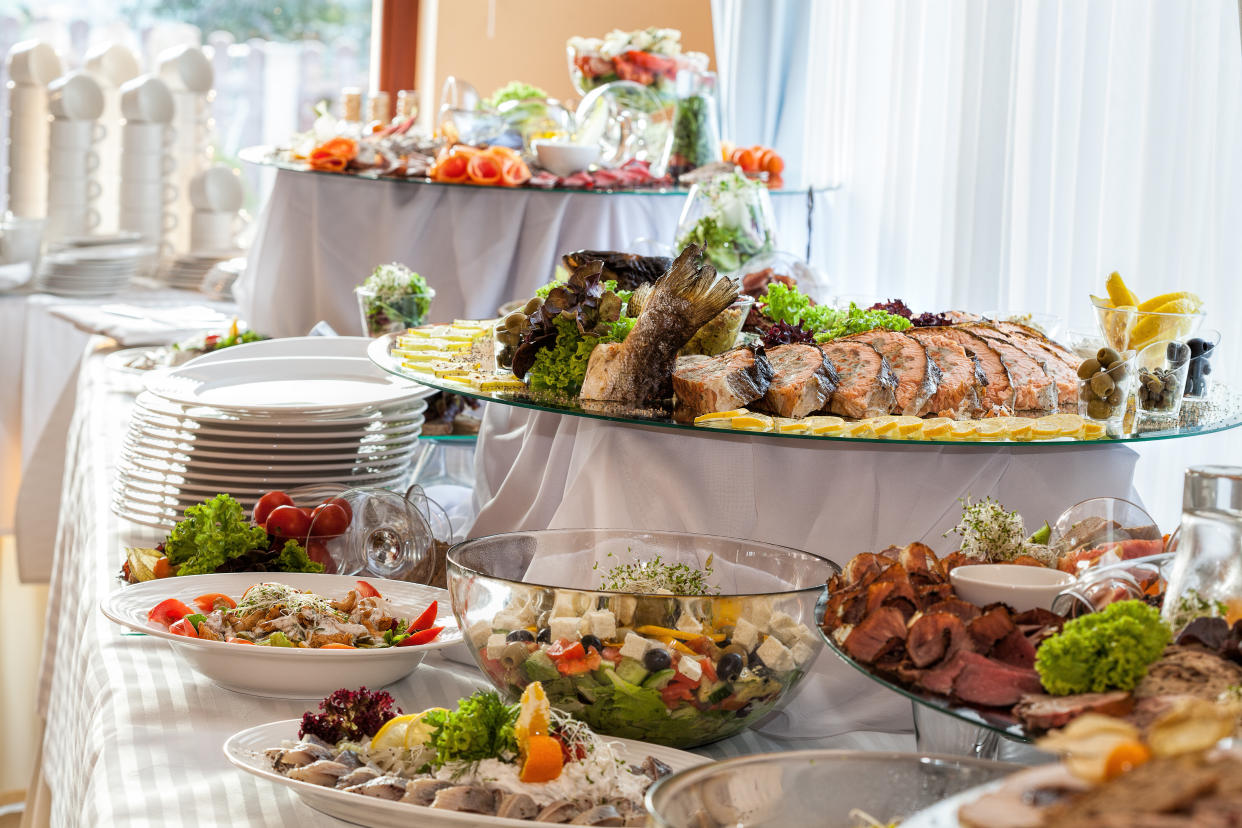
<point>392,299</point>
<point>731,216</point>
<point>667,637</point>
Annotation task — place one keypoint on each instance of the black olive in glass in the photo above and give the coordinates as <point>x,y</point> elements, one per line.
<point>730,667</point>
<point>657,659</point>
<point>545,636</point>
<point>590,642</point>
<point>1196,346</point>
<point>520,635</point>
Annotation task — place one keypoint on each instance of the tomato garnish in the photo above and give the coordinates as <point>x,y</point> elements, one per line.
<point>420,637</point>
<point>183,626</point>
<point>168,611</point>
<point>210,601</point>
<point>563,649</point>
<point>238,641</point>
<point>709,669</point>
<point>332,645</point>
<point>425,620</point>
<point>365,590</point>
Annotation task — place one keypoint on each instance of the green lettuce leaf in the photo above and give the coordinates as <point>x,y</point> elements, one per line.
<point>211,534</point>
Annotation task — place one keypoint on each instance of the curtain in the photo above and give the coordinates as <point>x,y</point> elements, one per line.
<point>1009,154</point>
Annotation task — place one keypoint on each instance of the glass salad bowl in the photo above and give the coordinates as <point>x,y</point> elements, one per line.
<point>731,216</point>
<point>674,669</point>
<point>628,122</point>
<point>813,787</point>
<point>1131,329</point>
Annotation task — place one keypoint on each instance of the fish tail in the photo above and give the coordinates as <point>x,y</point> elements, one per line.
<point>698,285</point>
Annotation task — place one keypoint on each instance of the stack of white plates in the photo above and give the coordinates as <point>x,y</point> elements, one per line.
<point>266,416</point>
<point>187,272</point>
<point>91,269</point>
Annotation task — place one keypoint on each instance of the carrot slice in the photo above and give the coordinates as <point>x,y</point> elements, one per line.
<point>483,169</point>
<point>543,761</point>
<point>332,645</point>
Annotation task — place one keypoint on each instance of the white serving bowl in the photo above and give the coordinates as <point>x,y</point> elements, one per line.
<point>281,672</point>
<point>1021,587</point>
<point>564,158</point>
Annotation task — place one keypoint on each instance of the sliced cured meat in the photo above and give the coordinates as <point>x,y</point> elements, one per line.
<point>998,392</point>
<point>867,386</point>
<point>933,593</point>
<point>802,380</point>
<point>990,683</point>
<point>1033,385</point>
<point>1039,712</point>
<point>921,564</point>
<point>895,593</point>
<point>864,567</point>
<point>703,385</point>
<point>1014,649</point>
<point>917,375</point>
<point>955,606</point>
<point>990,627</point>
<point>962,380</point>
<point>877,635</point>
<point>940,678</point>
<point>933,637</point>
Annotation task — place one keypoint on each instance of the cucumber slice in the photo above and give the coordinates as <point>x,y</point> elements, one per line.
<point>659,680</point>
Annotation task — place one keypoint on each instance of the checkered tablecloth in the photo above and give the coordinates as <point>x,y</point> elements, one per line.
<point>132,735</point>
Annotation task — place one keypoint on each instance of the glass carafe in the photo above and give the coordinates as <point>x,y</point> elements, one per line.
<point>696,128</point>
<point>1207,572</point>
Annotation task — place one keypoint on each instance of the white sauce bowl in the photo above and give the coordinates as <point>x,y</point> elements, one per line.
<point>1021,587</point>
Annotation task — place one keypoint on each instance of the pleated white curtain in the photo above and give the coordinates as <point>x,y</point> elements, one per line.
<point>1009,154</point>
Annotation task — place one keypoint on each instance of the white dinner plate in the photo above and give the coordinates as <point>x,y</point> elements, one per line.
<point>172,484</point>
<point>405,429</point>
<point>158,459</point>
<point>356,415</point>
<point>243,470</point>
<point>260,448</point>
<point>245,750</point>
<point>283,672</point>
<point>303,346</point>
<point>284,385</point>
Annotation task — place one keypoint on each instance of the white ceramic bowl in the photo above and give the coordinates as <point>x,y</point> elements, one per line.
<point>564,158</point>
<point>276,671</point>
<point>1021,587</point>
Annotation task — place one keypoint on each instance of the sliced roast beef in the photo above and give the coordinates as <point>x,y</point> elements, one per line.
<point>1035,390</point>
<point>921,564</point>
<point>1039,712</point>
<point>877,635</point>
<point>999,391</point>
<point>990,683</point>
<point>931,638</point>
<point>1015,649</point>
<point>802,380</point>
<point>867,387</point>
<point>956,606</point>
<point>990,627</point>
<point>1038,618</point>
<point>864,568</point>
<point>940,678</point>
<point>962,381</point>
<point>917,375</point>
<point>704,385</point>
<point>933,593</point>
<point>892,593</point>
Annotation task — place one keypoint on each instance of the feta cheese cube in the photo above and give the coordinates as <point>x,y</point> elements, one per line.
<point>635,646</point>
<point>507,620</point>
<point>496,645</point>
<point>563,628</point>
<point>783,627</point>
<point>687,623</point>
<point>479,631</point>
<point>690,668</point>
<point>623,607</point>
<point>775,655</point>
<point>745,634</point>
<point>758,611</point>
<point>569,603</point>
<point>802,653</point>
<point>600,623</point>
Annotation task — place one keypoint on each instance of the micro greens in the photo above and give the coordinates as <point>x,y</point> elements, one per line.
<point>655,577</point>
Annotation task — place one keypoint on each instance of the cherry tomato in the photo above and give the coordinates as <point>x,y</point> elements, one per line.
<point>329,520</point>
<point>213,601</point>
<point>317,551</point>
<point>344,504</point>
<point>428,617</point>
<point>268,503</point>
<point>424,637</point>
<point>183,627</point>
<point>288,522</point>
<point>365,590</point>
<point>168,611</point>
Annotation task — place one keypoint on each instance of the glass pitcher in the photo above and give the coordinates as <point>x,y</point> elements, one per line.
<point>1207,573</point>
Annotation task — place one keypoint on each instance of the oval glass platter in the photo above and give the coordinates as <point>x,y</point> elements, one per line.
<point>1221,411</point>
<point>267,156</point>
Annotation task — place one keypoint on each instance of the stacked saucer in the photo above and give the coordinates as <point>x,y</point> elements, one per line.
<point>274,415</point>
<point>91,267</point>
<point>187,272</point>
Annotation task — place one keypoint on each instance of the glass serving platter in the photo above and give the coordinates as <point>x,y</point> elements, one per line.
<point>1221,411</point>
<point>267,156</point>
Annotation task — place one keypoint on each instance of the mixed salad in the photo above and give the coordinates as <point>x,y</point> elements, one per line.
<point>524,761</point>
<point>393,298</point>
<point>278,615</point>
<point>182,352</point>
<point>651,56</point>
<point>665,662</point>
<point>736,224</point>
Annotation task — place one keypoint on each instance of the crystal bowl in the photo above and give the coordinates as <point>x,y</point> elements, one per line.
<point>1129,329</point>
<point>674,668</point>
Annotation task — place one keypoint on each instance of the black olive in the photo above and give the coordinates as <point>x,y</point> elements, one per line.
<point>520,635</point>
<point>744,710</point>
<point>589,641</point>
<point>1196,346</point>
<point>730,667</point>
<point>545,636</point>
<point>657,659</point>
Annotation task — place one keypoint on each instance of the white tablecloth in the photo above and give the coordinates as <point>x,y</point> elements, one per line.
<point>536,470</point>
<point>132,735</point>
<point>320,236</point>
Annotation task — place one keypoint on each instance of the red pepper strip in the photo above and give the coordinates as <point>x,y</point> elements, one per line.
<point>421,637</point>
<point>425,620</point>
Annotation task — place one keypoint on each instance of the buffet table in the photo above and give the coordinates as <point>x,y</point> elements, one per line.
<point>320,235</point>
<point>133,736</point>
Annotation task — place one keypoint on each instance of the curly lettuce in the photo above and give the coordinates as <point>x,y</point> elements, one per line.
<point>783,303</point>
<point>480,728</point>
<point>1106,650</point>
<point>562,367</point>
<point>216,532</point>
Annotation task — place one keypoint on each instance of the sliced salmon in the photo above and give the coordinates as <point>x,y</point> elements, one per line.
<point>703,385</point>
<point>962,382</point>
<point>1035,389</point>
<point>917,376</point>
<point>802,380</point>
<point>998,392</point>
<point>867,385</point>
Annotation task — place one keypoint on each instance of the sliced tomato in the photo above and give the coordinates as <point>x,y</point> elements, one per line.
<point>709,669</point>
<point>428,617</point>
<point>168,611</point>
<point>674,693</point>
<point>563,649</point>
<point>183,626</point>
<point>365,590</point>
<point>701,645</point>
<point>421,637</point>
<point>239,641</point>
<point>209,601</point>
<point>578,666</point>
<point>612,654</point>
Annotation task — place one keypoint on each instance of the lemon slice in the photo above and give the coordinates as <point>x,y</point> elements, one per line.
<point>1058,425</point>
<point>1093,431</point>
<point>1018,428</point>
<point>392,734</point>
<point>862,428</point>
<point>821,422</point>
<point>830,429</point>
<point>896,428</point>
<point>992,429</point>
<point>963,430</point>
<point>720,415</point>
<point>419,731</point>
<point>786,425</point>
<point>752,422</point>
<point>937,428</point>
